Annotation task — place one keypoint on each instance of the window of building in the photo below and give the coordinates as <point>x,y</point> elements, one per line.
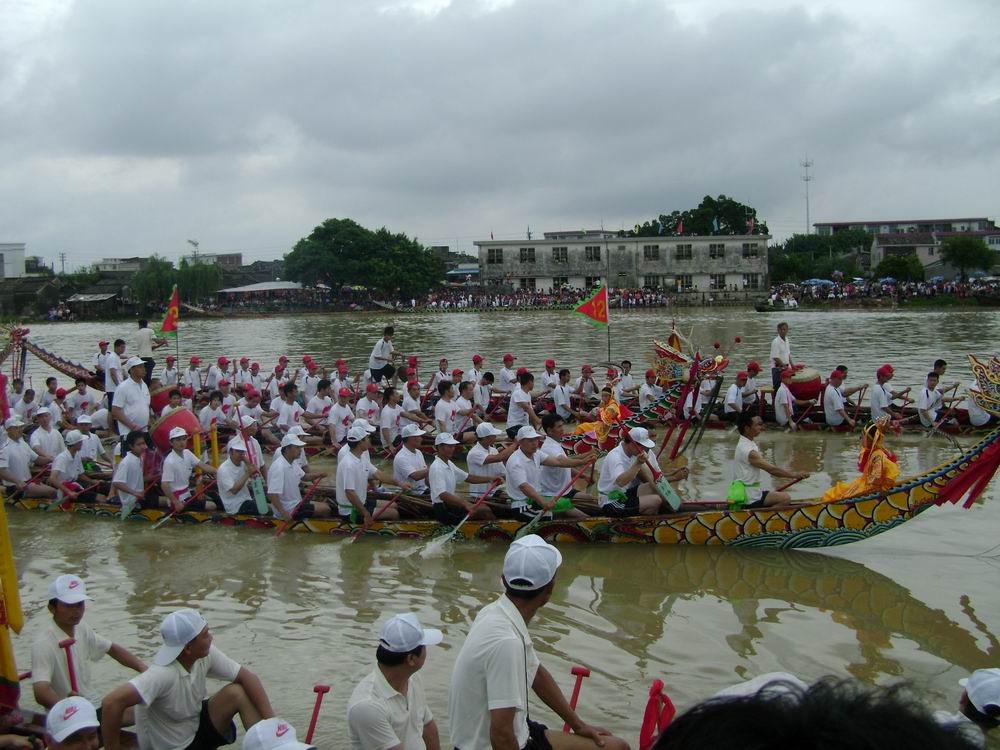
<point>592,253</point>
<point>652,281</point>
<point>558,282</point>
<point>751,281</point>
<point>685,281</point>
<point>749,249</point>
<point>494,255</point>
<point>560,255</point>
<point>527,255</point>
<point>528,284</point>
<point>650,252</point>
<point>591,281</point>
<point>718,281</point>
<point>683,252</point>
<point>993,241</point>
<point>930,251</point>
<point>621,248</point>
<point>717,250</point>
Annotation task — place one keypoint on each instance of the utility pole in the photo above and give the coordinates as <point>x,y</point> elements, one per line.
<point>62,262</point>
<point>807,178</point>
<point>194,255</point>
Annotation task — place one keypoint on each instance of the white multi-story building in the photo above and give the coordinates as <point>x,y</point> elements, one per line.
<point>584,258</point>
<point>11,260</point>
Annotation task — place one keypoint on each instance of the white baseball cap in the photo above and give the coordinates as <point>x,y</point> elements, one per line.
<point>84,419</point>
<point>69,589</point>
<point>14,421</point>
<point>532,561</point>
<point>69,716</point>
<point>246,420</point>
<point>237,445</point>
<point>291,440</point>
<point>270,734</point>
<point>133,362</point>
<point>640,435</point>
<point>357,433</point>
<point>776,682</point>
<point>177,432</point>
<point>485,430</point>
<point>73,437</point>
<point>178,629</point>
<point>527,433</point>
<point>445,438</point>
<point>983,689</point>
<point>363,423</point>
<point>296,429</point>
<point>403,633</point>
<point>411,430</point>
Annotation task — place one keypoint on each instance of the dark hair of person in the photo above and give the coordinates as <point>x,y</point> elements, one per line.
<point>29,391</point>
<point>80,380</point>
<point>133,437</point>
<point>564,371</point>
<point>488,377</point>
<point>289,388</point>
<point>444,387</point>
<point>49,380</point>
<point>17,380</point>
<point>744,421</point>
<point>783,323</point>
<point>215,395</point>
<point>550,420</point>
<point>351,444</point>
<point>525,594</point>
<point>626,362</point>
<point>323,383</point>
<point>143,323</point>
<point>939,363</point>
<point>525,378</point>
<point>175,392</point>
<point>841,368</point>
<point>985,721</point>
<point>933,374</point>
<point>831,714</point>
<point>388,331</point>
<point>53,602</point>
<point>388,658</point>
<point>464,384</point>
<point>387,393</point>
<point>119,342</point>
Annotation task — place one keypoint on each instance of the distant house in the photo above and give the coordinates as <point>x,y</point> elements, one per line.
<point>29,295</point>
<point>225,261</point>
<point>463,273</point>
<point>121,265</point>
<point>108,296</point>
<point>11,260</point>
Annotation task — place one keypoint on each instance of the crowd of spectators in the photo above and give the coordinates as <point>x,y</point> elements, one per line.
<point>884,290</point>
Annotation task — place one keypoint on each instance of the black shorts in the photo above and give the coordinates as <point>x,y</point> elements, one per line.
<point>536,737</point>
<point>386,371</point>
<point>620,509</point>
<point>207,737</point>
<point>248,508</point>
<point>447,514</point>
<point>512,431</point>
<point>308,510</point>
<point>758,503</point>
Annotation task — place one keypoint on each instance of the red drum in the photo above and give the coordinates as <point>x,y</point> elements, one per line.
<point>160,398</point>
<point>177,418</point>
<point>806,384</point>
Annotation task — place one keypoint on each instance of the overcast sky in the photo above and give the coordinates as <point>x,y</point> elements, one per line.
<point>127,127</point>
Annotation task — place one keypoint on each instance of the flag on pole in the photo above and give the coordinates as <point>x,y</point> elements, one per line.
<point>680,226</point>
<point>595,307</point>
<point>751,225</point>
<point>169,326</point>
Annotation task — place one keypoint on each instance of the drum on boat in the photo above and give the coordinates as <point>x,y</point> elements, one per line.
<point>179,417</point>
<point>806,384</point>
<point>159,398</point>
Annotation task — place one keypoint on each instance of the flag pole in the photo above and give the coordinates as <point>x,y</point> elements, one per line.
<point>607,286</point>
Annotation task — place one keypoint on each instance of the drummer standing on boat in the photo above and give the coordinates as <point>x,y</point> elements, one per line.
<point>130,408</point>
<point>781,354</point>
<point>145,342</point>
<point>380,361</point>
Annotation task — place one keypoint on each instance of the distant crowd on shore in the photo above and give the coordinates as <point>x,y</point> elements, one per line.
<point>886,290</point>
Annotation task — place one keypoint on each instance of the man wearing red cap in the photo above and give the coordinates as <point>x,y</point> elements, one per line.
<point>882,397</point>
<point>170,375</point>
<point>784,402</point>
<point>507,377</point>
<point>550,378</point>
<point>192,376</point>
<point>243,377</point>
<point>340,417</point>
<point>750,393</point>
<point>369,407</point>
<point>585,387</point>
<point>477,370</point>
<point>834,410</point>
<point>649,392</point>
<point>99,358</point>
<point>733,405</point>
<point>216,373</point>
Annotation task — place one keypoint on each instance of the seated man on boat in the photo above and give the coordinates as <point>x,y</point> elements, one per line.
<point>834,410</point>
<point>750,393</point>
<point>520,412</point>
<point>234,476</point>
<point>19,464</point>
<point>931,402</point>
<point>283,484</point>
<point>50,678</point>
<point>408,465</point>
<point>524,478</point>
<point>748,462</point>
<point>877,465</point>
<point>67,471</point>
<point>353,472</point>
<point>649,391</point>
<point>178,466</point>
<point>555,476</point>
<point>128,482</point>
<point>785,403</point>
<point>971,412</point>
<point>626,486</point>
<point>733,405</point>
<point>443,477</point>
<point>881,398</point>
<point>171,708</point>
<point>485,459</point>
<point>71,724</point>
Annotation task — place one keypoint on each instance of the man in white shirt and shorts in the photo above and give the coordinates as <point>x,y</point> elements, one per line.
<point>745,491</point>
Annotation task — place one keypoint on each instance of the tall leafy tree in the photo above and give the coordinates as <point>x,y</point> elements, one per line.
<point>901,268</point>
<point>965,252</point>
<point>722,215</point>
<point>153,284</point>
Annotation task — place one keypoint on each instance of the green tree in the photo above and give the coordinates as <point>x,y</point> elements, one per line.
<point>732,216</point>
<point>901,268</point>
<point>964,251</point>
<point>830,245</point>
<point>341,252</point>
<point>153,284</point>
<point>197,281</point>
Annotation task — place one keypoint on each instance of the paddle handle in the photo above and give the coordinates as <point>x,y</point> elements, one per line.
<point>320,691</point>
<point>378,515</point>
<point>312,488</point>
<point>785,486</point>
<point>580,673</point>
<point>66,645</point>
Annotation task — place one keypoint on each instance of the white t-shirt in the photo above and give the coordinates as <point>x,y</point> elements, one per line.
<point>744,471</point>
<point>340,416</point>
<point>80,403</point>
<point>351,475</point>
<point>169,376</point>
<point>493,670</point>
<point>624,383</point>
<point>977,415</point>
<point>208,415</point>
<point>319,405</point>
<point>379,718</point>
<point>177,472</point>
<point>49,442</point>
<point>368,409</point>
<point>589,386</point>
<point>69,466</point>
<point>193,379</point>
<point>781,349</point>
<point>506,380</point>
<point>112,362</point>
<point>283,480</point>
<point>517,415</point>
<point>476,461</point>
<point>832,401</point>
<point>48,661</point>
<point>389,420</point>
<point>549,380</point>
<point>750,391</point>
<point>19,457</point>
<point>649,395</point>
<point>133,398</point>
<point>445,412</point>
<point>930,401</point>
<point>407,462</point>
<point>91,448</point>
<point>615,464</point>
<point>784,404</point>
<point>310,384</point>
<point>734,400</point>
<point>129,473</point>
<point>553,478</point>
<point>481,396</point>
<point>560,397</point>
<point>880,400</point>
<point>381,354</point>
<point>172,696</point>
<point>289,414</point>
<point>411,405</point>
<point>228,475</point>
<point>144,343</point>
<point>444,477</point>
<point>215,374</point>
<point>522,470</point>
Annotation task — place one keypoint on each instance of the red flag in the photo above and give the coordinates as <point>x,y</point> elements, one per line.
<point>170,320</point>
<point>751,224</point>
<point>595,307</point>
<point>680,226</point>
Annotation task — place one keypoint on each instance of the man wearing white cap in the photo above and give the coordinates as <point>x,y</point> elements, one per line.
<point>71,724</point>
<point>67,595</point>
<point>979,706</point>
<point>177,467</point>
<point>19,462</point>
<point>408,465</point>
<point>388,708</point>
<point>234,476</point>
<point>272,734</point>
<point>443,477</point>
<point>488,699</point>
<point>67,468</point>
<point>130,407</point>
<point>484,459</point>
<point>352,479</point>
<point>283,478</point>
<point>524,478</point>
<point>172,711</point>
<point>626,486</point>
<point>91,449</point>
<point>251,430</point>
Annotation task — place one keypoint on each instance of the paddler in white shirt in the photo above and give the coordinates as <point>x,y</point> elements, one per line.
<point>91,449</point>
<point>170,374</point>
<point>477,369</point>
<point>408,465</point>
<point>319,405</point>
<point>930,402</point>
<point>625,386</point>
<point>524,478</point>
<point>550,378</point>
<point>649,391</point>
<point>369,407</point>
<point>784,403</point>
<point>81,401</point>
<point>750,392</point>
<point>412,413</point>
<point>216,373</point>
<point>441,375</point>
<point>745,491</point>
<point>243,377</point>
<point>585,387</point>
<point>833,402</point>
<point>443,477</point>
<point>781,354</point>
<point>733,405</point>
<point>507,377</point>
<point>192,376</point>
<point>177,468</point>
<point>882,396</point>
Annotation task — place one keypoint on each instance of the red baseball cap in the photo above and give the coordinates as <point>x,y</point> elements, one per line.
<point>223,382</point>
<point>223,361</point>
<point>255,365</point>
<point>279,368</point>
<point>456,371</point>
<point>344,392</point>
<point>251,392</point>
<point>786,374</point>
<point>509,358</point>
<point>306,358</point>
<point>372,388</point>
<point>587,368</point>
<point>477,357</point>
<point>521,371</point>
<point>187,391</point>
<point>171,358</point>
<point>752,366</point>
<point>196,360</point>
<point>836,374</point>
<point>885,371</point>
<point>412,384</point>
<point>443,359</point>
<point>742,374</point>
<point>312,365</point>
<point>340,362</point>
<point>102,342</point>
<point>650,373</point>
<point>550,363</point>
<point>60,392</point>
<point>244,359</point>
<point>412,361</point>
<point>282,358</point>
